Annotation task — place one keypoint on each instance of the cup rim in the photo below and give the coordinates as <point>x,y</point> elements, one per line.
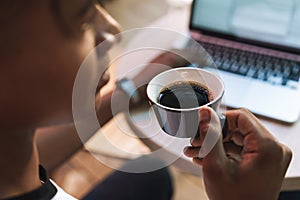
<point>216,99</point>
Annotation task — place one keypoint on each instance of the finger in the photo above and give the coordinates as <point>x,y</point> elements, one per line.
<point>287,156</point>
<point>234,136</point>
<point>191,151</point>
<point>212,146</point>
<point>196,142</point>
<point>203,127</point>
<point>103,80</point>
<point>233,151</point>
<point>243,121</point>
<point>198,161</point>
<point>255,137</point>
<point>237,138</point>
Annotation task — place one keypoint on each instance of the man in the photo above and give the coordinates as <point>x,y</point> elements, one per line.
<point>43,43</point>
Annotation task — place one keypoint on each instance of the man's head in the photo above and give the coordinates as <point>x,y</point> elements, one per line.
<point>43,44</point>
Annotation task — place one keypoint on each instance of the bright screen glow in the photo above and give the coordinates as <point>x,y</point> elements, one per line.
<point>272,21</point>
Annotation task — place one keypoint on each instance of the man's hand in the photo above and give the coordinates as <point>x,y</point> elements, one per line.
<point>248,164</point>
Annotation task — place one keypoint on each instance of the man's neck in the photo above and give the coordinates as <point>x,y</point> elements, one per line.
<point>19,162</point>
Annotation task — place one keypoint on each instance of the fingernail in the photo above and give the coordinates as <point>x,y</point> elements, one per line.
<point>204,130</point>
<point>191,140</point>
<point>185,149</point>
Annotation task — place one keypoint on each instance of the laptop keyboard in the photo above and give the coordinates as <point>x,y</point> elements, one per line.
<point>266,68</point>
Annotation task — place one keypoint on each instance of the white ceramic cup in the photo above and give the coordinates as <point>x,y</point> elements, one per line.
<point>180,122</point>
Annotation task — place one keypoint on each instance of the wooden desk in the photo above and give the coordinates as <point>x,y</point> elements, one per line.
<point>142,120</point>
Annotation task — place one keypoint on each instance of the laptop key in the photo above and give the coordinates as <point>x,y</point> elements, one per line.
<point>243,70</point>
<point>292,84</point>
<point>262,75</point>
<point>234,68</point>
<point>218,62</point>
<point>294,77</point>
<point>296,69</point>
<point>284,81</point>
<point>251,72</point>
<point>225,66</point>
<point>286,70</point>
<point>276,80</point>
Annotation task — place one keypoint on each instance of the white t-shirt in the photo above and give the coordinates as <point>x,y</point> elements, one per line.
<point>61,194</point>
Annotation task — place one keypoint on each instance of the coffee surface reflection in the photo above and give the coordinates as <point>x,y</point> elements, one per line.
<point>185,95</point>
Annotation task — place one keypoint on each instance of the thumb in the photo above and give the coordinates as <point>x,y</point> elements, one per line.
<point>210,130</point>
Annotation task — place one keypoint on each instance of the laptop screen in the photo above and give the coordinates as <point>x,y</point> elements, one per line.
<point>272,23</point>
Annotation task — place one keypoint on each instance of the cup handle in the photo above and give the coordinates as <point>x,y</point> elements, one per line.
<point>224,124</point>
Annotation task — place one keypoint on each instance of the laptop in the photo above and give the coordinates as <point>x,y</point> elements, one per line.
<point>256,46</point>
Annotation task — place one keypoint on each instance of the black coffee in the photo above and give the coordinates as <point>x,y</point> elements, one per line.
<point>184,95</point>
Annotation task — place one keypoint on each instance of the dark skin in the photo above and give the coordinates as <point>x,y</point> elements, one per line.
<point>29,110</point>
<point>38,82</point>
<point>37,74</point>
<point>248,164</point>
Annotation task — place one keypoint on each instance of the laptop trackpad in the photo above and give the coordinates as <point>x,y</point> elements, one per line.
<point>262,98</point>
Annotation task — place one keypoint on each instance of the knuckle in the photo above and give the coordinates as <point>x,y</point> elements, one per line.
<point>287,152</point>
<point>244,110</point>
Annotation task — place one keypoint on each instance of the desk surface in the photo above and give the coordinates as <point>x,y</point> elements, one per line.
<point>143,122</point>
